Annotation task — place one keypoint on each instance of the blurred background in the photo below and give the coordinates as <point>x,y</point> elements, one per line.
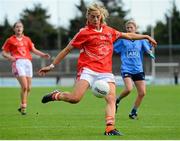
<point>52,24</point>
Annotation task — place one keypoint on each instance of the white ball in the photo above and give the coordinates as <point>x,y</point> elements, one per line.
<point>100,88</point>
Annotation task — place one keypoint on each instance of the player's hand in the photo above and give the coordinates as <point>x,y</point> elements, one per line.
<point>12,59</point>
<point>44,70</point>
<point>153,42</point>
<point>46,56</point>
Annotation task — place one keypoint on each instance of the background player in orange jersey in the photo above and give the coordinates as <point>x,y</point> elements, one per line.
<point>17,49</point>
<point>95,42</point>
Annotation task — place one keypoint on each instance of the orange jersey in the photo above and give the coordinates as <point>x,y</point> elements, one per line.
<point>19,48</point>
<point>96,48</point>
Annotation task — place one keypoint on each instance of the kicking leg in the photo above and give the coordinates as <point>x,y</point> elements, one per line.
<point>75,96</point>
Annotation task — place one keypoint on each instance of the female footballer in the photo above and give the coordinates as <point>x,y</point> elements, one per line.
<point>95,42</point>
<point>131,54</point>
<point>17,49</point>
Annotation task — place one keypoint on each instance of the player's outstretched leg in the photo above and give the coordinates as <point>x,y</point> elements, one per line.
<point>51,96</point>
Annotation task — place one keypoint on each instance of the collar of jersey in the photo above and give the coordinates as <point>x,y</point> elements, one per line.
<point>90,27</point>
<point>19,39</point>
<point>97,30</point>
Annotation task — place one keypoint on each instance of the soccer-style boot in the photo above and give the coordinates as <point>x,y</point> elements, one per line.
<point>133,116</point>
<point>22,111</point>
<point>49,97</point>
<point>19,110</point>
<point>113,132</point>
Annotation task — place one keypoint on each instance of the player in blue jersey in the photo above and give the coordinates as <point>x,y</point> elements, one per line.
<point>131,54</point>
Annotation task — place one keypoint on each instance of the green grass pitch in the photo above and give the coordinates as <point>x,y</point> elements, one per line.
<point>159,116</point>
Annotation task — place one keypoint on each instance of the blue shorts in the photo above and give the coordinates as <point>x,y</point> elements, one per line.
<point>134,77</point>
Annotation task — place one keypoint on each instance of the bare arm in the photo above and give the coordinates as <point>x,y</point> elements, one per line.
<point>8,56</point>
<point>40,53</point>
<point>56,61</point>
<point>62,54</point>
<point>134,36</point>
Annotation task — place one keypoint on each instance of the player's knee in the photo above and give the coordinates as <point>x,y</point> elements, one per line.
<point>128,91</point>
<point>24,89</point>
<point>75,100</point>
<point>28,89</point>
<point>111,99</point>
<point>141,95</point>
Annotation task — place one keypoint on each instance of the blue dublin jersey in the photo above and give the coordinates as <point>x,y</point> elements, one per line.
<point>131,54</point>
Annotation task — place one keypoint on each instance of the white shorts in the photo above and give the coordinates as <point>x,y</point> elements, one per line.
<point>92,76</point>
<point>22,67</point>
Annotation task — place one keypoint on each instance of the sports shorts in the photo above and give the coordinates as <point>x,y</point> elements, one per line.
<point>92,76</point>
<point>22,67</point>
<point>134,77</point>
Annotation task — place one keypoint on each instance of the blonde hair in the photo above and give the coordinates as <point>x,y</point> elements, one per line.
<point>97,7</point>
<point>131,22</point>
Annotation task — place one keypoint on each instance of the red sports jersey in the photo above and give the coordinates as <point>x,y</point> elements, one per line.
<point>96,48</point>
<point>19,48</point>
